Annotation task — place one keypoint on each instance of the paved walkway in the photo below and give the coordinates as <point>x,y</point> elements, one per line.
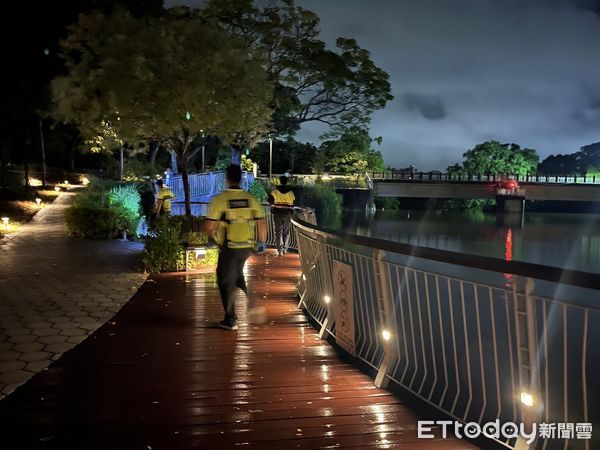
<point>161,376</point>
<point>56,290</point>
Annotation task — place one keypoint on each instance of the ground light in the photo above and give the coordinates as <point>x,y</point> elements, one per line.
<point>5,221</point>
<point>57,188</point>
<point>326,299</point>
<point>527,399</point>
<point>38,201</point>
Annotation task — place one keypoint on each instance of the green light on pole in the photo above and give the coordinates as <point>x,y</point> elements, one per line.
<point>188,116</point>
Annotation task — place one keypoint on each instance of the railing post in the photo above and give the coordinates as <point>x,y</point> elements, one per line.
<point>327,287</point>
<point>528,394</point>
<point>385,297</point>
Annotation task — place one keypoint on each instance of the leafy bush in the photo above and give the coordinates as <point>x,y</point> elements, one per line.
<point>126,200</point>
<point>387,203</point>
<point>325,201</point>
<point>258,190</point>
<point>104,210</point>
<point>163,250</point>
<point>94,223</point>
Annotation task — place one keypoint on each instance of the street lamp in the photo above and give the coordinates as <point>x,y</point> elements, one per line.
<point>270,158</point>
<point>202,131</point>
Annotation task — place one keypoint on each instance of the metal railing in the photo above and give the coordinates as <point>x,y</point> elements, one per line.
<point>453,177</point>
<point>477,338</point>
<point>205,184</point>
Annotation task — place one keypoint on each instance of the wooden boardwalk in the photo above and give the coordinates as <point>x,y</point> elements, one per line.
<point>160,375</point>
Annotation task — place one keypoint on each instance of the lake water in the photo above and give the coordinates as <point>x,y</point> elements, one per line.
<point>563,240</point>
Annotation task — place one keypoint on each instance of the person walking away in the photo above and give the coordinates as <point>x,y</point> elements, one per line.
<point>236,221</point>
<point>163,199</point>
<point>282,206</point>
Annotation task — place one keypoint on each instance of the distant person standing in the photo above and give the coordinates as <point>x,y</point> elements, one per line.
<point>237,221</point>
<point>163,199</point>
<point>282,205</point>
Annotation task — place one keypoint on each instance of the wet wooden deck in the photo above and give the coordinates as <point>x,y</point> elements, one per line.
<point>160,375</point>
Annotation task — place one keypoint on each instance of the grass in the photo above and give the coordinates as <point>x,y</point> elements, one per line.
<point>19,206</point>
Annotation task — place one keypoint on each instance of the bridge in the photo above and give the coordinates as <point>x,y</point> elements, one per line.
<point>442,186</point>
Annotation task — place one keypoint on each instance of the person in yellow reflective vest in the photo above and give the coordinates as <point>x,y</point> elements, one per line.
<point>163,199</point>
<point>282,206</point>
<point>236,221</point>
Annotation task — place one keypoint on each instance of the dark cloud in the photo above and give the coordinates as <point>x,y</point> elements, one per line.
<point>429,106</point>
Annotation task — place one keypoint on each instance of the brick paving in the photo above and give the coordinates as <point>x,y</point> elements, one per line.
<point>56,290</point>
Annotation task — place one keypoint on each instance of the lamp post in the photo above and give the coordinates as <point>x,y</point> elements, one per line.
<point>270,158</point>
<point>202,131</point>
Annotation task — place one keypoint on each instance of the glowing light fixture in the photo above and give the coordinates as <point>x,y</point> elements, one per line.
<point>386,335</point>
<point>304,277</point>
<point>5,221</point>
<point>188,116</point>
<point>57,188</point>
<point>66,182</point>
<point>326,299</point>
<point>85,181</point>
<point>38,201</point>
<point>527,399</point>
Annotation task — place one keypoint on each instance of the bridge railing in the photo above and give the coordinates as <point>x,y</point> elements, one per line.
<point>479,339</point>
<point>453,177</point>
<point>205,184</point>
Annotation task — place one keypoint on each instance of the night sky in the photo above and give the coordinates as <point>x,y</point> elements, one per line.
<point>467,71</point>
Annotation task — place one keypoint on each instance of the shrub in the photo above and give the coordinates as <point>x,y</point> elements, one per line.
<point>126,201</point>
<point>387,203</point>
<point>92,222</point>
<point>163,251</point>
<point>325,201</point>
<point>257,189</point>
<point>104,210</point>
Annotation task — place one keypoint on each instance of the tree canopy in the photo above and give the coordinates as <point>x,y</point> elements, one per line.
<point>350,154</point>
<point>492,157</point>
<point>340,88</point>
<point>584,162</point>
<point>169,78</point>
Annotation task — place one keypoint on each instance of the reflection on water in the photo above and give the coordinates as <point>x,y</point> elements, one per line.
<point>563,240</point>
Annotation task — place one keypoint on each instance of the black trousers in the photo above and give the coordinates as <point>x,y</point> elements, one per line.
<point>283,228</point>
<point>230,274</point>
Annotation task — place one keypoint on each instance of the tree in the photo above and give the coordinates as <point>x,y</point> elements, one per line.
<point>339,88</point>
<point>350,154</point>
<point>168,78</point>
<point>32,61</point>
<point>500,159</point>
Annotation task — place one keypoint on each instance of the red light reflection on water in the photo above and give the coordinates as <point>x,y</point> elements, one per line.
<point>508,244</point>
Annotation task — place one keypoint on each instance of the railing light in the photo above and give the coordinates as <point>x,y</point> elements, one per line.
<point>326,299</point>
<point>304,277</point>
<point>386,335</point>
<point>527,399</point>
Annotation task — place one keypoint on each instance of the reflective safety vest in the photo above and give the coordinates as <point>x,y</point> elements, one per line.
<point>236,211</point>
<point>165,194</point>
<point>282,200</point>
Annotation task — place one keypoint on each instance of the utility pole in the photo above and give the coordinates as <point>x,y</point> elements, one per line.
<point>270,158</point>
<point>43,154</point>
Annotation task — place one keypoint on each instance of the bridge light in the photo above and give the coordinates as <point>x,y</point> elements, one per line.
<point>326,299</point>
<point>386,335</point>
<point>527,399</point>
